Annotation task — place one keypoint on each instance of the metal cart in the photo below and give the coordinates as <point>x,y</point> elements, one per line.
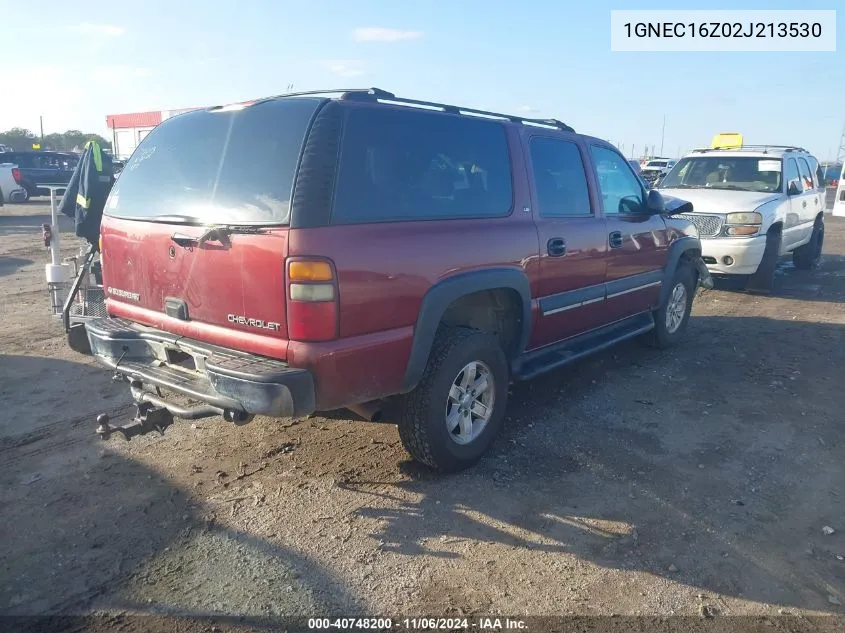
<point>74,283</point>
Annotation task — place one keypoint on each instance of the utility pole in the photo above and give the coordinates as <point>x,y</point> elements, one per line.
<point>840,153</point>
<point>632,151</point>
<point>41,123</point>
<point>662,134</point>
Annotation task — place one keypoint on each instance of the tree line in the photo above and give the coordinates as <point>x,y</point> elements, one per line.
<point>21,139</point>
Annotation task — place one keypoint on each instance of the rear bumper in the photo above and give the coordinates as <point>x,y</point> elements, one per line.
<point>17,195</point>
<point>224,379</point>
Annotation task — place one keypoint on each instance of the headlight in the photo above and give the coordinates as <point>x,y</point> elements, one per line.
<point>744,218</point>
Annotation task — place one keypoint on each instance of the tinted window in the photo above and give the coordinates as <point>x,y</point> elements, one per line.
<point>830,173</point>
<point>25,160</point>
<point>404,164</point>
<point>792,177</point>
<point>814,171</point>
<point>559,178</point>
<point>225,166</point>
<point>806,175</point>
<point>738,173</point>
<point>621,190</point>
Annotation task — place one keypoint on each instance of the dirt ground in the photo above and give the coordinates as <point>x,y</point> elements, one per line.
<point>693,481</point>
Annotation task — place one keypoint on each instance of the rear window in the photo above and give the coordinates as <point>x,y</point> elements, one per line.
<point>404,164</point>
<point>221,167</point>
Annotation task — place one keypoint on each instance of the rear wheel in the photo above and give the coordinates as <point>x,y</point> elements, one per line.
<point>671,318</point>
<point>450,420</point>
<point>810,254</point>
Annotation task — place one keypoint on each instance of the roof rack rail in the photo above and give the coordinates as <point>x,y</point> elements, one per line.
<point>764,148</point>
<point>378,95</point>
<point>341,91</point>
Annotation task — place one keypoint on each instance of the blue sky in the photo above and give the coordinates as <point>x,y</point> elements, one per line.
<point>79,61</point>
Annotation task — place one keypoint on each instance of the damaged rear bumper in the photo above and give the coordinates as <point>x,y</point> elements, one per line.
<point>222,381</point>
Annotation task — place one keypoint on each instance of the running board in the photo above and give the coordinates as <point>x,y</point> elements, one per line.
<point>547,358</point>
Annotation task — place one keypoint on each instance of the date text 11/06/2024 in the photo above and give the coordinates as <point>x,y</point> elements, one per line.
<point>417,624</point>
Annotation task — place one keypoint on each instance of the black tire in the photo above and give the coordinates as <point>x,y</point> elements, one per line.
<point>809,255</point>
<point>763,280</point>
<point>77,339</point>
<point>422,419</point>
<point>663,335</point>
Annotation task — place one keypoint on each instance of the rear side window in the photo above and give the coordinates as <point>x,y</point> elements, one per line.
<point>403,164</point>
<point>559,178</point>
<point>232,166</point>
<point>806,175</point>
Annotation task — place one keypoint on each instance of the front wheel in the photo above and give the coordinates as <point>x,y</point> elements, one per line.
<point>455,413</point>
<point>763,280</point>
<point>672,316</point>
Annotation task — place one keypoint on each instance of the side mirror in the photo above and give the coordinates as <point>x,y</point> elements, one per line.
<point>655,201</point>
<point>792,189</point>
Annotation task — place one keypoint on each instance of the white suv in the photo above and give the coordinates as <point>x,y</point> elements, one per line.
<point>752,204</point>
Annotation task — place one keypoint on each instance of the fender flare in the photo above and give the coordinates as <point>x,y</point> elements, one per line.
<point>676,251</point>
<point>438,298</point>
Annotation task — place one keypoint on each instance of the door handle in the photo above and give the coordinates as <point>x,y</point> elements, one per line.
<point>615,239</point>
<point>804,204</point>
<point>556,247</point>
<point>816,200</point>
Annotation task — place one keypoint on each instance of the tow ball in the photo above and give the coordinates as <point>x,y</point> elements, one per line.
<point>148,419</point>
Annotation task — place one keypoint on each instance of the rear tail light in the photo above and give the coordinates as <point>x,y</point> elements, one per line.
<point>312,300</point>
<point>16,174</point>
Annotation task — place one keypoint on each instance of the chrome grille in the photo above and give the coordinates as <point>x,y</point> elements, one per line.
<point>707,225</point>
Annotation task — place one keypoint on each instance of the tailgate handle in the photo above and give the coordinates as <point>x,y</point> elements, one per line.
<point>184,240</point>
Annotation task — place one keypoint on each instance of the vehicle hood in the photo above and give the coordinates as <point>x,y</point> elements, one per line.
<point>724,201</point>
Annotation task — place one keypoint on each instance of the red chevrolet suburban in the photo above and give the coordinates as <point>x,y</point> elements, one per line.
<point>315,251</point>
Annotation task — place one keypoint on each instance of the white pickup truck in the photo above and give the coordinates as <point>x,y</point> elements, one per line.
<point>10,187</point>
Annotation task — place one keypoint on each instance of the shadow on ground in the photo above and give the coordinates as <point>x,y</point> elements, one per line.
<point>11,265</point>
<point>87,528</point>
<point>708,465</point>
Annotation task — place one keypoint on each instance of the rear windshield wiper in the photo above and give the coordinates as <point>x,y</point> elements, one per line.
<point>217,234</point>
<point>221,233</point>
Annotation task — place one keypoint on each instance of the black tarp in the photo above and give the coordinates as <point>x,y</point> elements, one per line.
<point>89,186</point>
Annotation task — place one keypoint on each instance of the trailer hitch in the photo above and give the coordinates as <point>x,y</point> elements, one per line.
<point>148,419</point>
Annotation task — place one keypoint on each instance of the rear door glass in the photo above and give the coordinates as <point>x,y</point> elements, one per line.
<point>227,166</point>
<point>806,175</point>
<point>407,164</point>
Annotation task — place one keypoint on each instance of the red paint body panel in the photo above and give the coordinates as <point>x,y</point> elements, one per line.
<point>645,247</point>
<point>246,279</point>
